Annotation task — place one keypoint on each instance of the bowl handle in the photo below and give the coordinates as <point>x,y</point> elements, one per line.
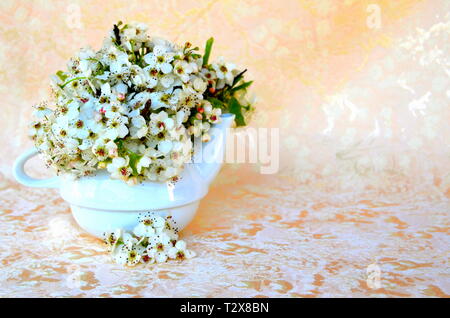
<point>21,176</point>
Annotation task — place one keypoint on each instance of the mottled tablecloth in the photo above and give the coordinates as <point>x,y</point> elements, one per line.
<point>267,238</point>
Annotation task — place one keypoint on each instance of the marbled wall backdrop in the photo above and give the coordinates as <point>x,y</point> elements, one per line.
<point>360,92</point>
<point>358,88</point>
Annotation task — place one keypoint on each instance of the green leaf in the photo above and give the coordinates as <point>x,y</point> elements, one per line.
<point>61,75</point>
<point>238,77</point>
<point>94,60</point>
<point>236,109</point>
<point>132,51</point>
<point>100,71</point>
<point>208,47</point>
<point>216,103</point>
<point>134,158</point>
<point>120,147</point>
<point>244,85</point>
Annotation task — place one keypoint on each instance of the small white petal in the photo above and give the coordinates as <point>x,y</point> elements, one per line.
<point>165,146</point>
<point>181,245</point>
<point>166,68</point>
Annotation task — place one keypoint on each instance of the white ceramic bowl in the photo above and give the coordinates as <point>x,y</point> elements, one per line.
<point>101,204</point>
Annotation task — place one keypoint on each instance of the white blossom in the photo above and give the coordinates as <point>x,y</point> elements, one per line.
<point>131,108</point>
<point>224,71</point>
<point>119,168</point>
<point>160,59</point>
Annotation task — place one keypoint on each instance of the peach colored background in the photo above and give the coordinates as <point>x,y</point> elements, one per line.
<point>364,127</point>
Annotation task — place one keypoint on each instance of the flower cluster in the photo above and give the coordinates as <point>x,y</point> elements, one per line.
<point>153,240</point>
<point>135,106</point>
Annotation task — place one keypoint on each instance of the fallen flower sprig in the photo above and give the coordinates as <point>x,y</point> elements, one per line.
<point>153,240</point>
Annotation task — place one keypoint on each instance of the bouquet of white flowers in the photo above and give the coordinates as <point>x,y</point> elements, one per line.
<point>135,106</point>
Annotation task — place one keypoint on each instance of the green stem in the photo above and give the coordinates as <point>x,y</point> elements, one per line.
<point>73,79</point>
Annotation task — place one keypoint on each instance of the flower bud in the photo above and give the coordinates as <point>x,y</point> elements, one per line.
<point>132,181</point>
<point>98,117</point>
<point>208,108</point>
<point>121,97</point>
<point>199,85</point>
<point>206,137</point>
<point>113,152</point>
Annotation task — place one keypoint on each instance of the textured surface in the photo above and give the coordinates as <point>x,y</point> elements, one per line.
<point>363,111</point>
<point>282,241</point>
